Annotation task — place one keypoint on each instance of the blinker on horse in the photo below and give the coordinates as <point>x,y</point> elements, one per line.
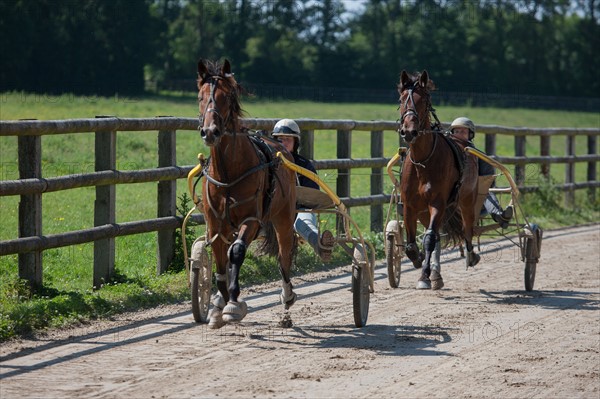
<point>438,183</point>
<point>244,189</point>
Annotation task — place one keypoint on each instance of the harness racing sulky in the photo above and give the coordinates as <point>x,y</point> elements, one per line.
<point>248,192</point>
<point>438,184</point>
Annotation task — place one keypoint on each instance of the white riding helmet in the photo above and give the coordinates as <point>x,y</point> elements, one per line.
<point>287,127</point>
<point>464,122</point>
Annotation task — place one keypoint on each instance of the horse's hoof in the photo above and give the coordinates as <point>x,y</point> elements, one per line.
<point>215,318</point>
<point>472,259</point>
<point>418,263</point>
<point>288,302</point>
<point>423,285</point>
<point>235,312</point>
<point>437,282</point>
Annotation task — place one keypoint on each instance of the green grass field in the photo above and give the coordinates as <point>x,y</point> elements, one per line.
<point>68,271</point>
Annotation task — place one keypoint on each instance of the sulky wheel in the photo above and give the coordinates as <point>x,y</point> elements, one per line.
<point>393,258</point>
<point>201,281</point>
<point>360,286</point>
<point>393,251</point>
<point>532,255</point>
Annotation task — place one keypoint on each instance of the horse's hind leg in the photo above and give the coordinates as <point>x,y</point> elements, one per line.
<point>472,258</point>
<point>436,268</point>
<point>285,239</point>
<point>411,249</point>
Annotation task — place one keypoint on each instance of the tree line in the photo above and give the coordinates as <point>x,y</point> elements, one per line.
<point>537,47</point>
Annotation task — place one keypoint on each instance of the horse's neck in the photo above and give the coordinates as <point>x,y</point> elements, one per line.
<point>233,156</point>
<point>421,148</point>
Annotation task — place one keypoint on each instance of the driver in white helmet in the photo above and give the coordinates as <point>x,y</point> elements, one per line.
<point>288,133</point>
<point>464,129</point>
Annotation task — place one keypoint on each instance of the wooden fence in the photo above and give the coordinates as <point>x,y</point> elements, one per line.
<point>31,185</point>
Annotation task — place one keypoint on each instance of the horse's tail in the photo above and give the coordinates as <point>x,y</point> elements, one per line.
<point>269,246</point>
<point>453,226</point>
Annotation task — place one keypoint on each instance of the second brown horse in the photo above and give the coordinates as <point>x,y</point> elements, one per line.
<point>438,182</point>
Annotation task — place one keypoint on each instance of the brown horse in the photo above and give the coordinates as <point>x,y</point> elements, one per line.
<point>438,181</point>
<point>245,188</point>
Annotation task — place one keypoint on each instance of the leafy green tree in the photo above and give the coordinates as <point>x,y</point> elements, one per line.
<point>276,52</point>
<point>87,46</point>
<point>546,47</point>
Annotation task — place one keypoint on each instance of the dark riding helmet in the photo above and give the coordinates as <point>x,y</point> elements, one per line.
<point>288,127</point>
<point>466,123</point>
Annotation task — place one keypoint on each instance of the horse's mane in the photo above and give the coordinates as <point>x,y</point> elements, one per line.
<point>214,69</point>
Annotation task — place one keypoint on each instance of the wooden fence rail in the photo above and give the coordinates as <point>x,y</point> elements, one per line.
<point>31,185</point>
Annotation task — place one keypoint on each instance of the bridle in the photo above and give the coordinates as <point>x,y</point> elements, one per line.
<point>410,109</point>
<point>222,123</point>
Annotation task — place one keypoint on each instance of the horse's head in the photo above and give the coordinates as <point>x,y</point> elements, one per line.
<point>218,99</point>
<point>414,105</point>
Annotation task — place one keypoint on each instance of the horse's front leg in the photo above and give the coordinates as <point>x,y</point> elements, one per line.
<point>431,276</point>
<point>215,317</point>
<point>412,249</point>
<point>236,310</point>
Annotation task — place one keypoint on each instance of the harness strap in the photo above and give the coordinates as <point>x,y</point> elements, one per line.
<point>459,158</point>
<point>266,155</point>
<point>239,179</point>
<point>422,163</point>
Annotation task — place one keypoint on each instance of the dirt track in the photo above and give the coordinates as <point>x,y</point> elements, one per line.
<point>481,336</point>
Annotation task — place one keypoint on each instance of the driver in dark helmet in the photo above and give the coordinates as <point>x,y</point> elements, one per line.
<point>287,132</point>
<point>464,129</point>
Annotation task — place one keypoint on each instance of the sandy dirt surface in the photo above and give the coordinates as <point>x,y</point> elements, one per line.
<point>482,335</point>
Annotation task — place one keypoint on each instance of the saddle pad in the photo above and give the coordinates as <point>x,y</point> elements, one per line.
<point>311,198</point>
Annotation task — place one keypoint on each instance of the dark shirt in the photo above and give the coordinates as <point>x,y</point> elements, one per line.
<point>306,164</point>
<point>485,169</point>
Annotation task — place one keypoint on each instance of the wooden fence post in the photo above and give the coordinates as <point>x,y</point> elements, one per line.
<point>570,172</point>
<point>520,142</point>
<point>104,207</point>
<point>30,209</point>
<point>592,143</point>
<point>545,151</point>
<point>167,200</point>
<point>344,149</point>
<point>376,180</point>
<point>307,144</point>
<point>490,143</point>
